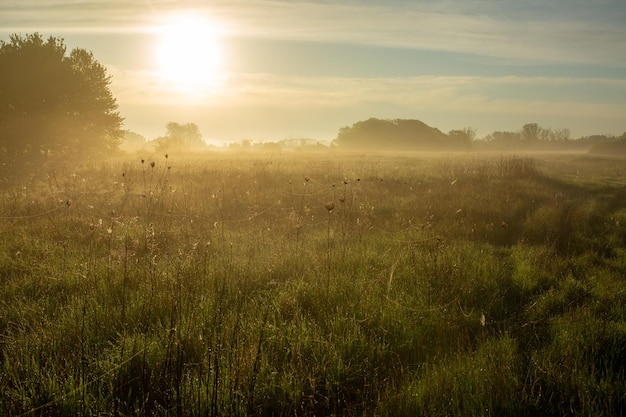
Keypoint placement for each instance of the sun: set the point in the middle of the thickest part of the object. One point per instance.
(189, 54)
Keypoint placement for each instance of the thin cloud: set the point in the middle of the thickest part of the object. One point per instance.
(444, 93)
(420, 25)
(589, 34)
(533, 31)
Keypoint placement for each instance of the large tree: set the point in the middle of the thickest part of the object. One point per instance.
(181, 137)
(53, 103)
(399, 134)
(531, 132)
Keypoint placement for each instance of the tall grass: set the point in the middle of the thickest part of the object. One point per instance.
(378, 285)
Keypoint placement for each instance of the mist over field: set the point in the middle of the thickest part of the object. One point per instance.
(261, 208)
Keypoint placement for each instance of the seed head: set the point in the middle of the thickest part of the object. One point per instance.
(330, 206)
(152, 164)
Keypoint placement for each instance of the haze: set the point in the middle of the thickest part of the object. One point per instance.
(277, 69)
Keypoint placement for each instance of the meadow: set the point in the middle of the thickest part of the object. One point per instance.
(323, 283)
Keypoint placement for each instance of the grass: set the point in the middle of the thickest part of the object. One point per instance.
(226, 285)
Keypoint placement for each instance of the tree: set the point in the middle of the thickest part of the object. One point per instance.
(180, 138)
(554, 135)
(562, 135)
(464, 137)
(133, 142)
(52, 103)
(505, 138)
(398, 134)
(531, 132)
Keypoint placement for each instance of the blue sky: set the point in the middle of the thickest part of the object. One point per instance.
(307, 68)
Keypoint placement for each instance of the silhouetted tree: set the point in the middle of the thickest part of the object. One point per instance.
(399, 134)
(614, 146)
(531, 132)
(133, 142)
(464, 137)
(561, 135)
(180, 138)
(54, 103)
(553, 135)
(503, 137)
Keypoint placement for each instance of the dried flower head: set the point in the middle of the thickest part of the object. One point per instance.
(152, 164)
(330, 206)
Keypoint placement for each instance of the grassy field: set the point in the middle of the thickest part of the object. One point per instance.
(315, 284)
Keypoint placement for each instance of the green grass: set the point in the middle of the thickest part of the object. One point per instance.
(224, 285)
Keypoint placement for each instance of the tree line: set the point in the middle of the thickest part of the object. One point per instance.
(414, 135)
(55, 103)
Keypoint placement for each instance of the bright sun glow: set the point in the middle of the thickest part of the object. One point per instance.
(189, 54)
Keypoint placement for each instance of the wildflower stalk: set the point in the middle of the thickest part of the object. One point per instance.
(300, 216)
(329, 207)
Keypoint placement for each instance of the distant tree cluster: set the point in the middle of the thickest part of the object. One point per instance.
(399, 134)
(52, 103)
(293, 144)
(614, 146)
(133, 142)
(532, 133)
(180, 137)
(463, 136)
(532, 137)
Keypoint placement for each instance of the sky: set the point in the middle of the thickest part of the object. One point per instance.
(266, 70)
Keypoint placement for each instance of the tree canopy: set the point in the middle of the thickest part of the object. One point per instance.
(53, 103)
(181, 137)
(398, 134)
